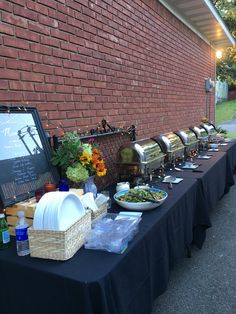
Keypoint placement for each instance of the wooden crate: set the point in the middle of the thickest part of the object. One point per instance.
(27, 206)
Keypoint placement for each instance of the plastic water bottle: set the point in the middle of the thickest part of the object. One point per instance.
(22, 241)
(4, 233)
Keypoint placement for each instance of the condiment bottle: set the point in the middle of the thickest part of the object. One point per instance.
(4, 233)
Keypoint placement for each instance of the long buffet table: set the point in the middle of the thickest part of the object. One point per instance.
(101, 282)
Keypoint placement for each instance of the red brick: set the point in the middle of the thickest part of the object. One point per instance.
(46, 106)
(61, 53)
(32, 5)
(43, 68)
(54, 79)
(8, 52)
(41, 49)
(59, 115)
(42, 29)
(25, 13)
(19, 2)
(71, 81)
(16, 43)
(52, 60)
(18, 65)
(10, 96)
(69, 106)
(5, 5)
(9, 74)
(30, 56)
(32, 77)
(69, 47)
(45, 88)
(4, 84)
(63, 72)
(6, 29)
(52, 3)
(14, 85)
(59, 34)
(49, 41)
(65, 89)
(22, 33)
(32, 96)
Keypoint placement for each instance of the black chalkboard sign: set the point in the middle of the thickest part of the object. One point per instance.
(24, 155)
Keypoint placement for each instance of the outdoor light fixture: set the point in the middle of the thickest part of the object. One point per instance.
(218, 54)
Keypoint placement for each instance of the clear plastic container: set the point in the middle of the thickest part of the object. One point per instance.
(112, 232)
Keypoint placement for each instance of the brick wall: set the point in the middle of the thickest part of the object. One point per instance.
(128, 61)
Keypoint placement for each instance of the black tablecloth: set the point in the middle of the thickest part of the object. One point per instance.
(101, 282)
(230, 149)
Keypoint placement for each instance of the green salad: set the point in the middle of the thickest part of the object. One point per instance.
(136, 195)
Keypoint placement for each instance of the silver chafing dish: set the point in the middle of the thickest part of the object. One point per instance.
(201, 135)
(213, 135)
(140, 158)
(211, 130)
(171, 145)
(190, 141)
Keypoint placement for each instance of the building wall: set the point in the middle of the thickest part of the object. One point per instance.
(128, 61)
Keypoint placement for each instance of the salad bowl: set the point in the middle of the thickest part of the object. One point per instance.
(127, 199)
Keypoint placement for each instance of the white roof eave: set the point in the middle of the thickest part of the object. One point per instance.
(200, 16)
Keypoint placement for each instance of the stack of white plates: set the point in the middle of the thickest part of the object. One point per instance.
(57, 211)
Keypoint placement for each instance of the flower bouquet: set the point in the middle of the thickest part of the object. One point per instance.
(78, 160)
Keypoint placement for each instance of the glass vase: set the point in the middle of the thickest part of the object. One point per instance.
(90, 186)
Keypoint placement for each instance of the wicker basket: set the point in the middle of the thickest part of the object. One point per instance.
(102, 210)
(59, 245)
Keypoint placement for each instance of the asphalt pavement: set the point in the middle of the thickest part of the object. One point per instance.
(206, 282)
(229, 126)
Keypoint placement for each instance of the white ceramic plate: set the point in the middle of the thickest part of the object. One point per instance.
(38, 223)
(69, 210)
(140, 206)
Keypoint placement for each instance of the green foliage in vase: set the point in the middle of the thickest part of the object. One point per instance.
(68, 152)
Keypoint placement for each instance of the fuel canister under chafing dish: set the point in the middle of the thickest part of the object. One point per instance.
(140, 157)
(171, 145)
(190, 141)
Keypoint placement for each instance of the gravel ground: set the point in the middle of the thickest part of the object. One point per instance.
(206, 283)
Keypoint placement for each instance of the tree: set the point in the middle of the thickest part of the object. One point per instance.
(226, 66)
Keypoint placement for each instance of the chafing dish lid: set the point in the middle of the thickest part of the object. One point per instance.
(169, 142)
(209, 128)
(144, 151)
(187, 136)
(200, 132)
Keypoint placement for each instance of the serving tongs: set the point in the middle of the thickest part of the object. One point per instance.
(142, 198)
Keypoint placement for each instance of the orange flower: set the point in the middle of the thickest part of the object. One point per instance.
(85, 159)
(96, 151)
